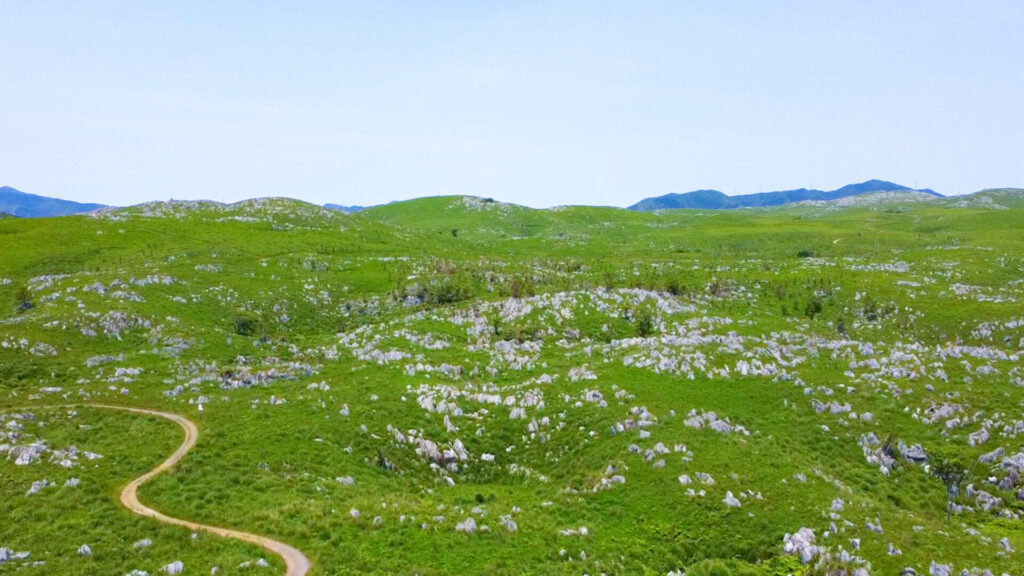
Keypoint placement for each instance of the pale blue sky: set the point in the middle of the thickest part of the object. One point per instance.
(540, 103)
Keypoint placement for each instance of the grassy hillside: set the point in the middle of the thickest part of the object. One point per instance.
(453, 385)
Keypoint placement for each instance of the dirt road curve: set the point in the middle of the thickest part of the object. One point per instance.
(296, 564)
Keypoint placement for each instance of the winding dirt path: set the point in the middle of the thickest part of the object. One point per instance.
(296, 563)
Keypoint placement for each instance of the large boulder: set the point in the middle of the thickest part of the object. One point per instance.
(991, 457)
(801, 543)
(913, 453)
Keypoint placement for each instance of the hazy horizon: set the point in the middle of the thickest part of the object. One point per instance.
(536, 104)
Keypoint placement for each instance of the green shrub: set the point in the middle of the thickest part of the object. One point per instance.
(245, 326)
(871, 310)
(23, 299)
(644, 319)
(786, 565)
(447, 291)
(950, 468)
(609, 280)
(813, 308)
(521, 288)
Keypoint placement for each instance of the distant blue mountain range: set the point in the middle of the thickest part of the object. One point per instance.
(345, 209)
(17, 203)
(715, 200)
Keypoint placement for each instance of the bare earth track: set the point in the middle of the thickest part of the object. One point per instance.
(296, 563)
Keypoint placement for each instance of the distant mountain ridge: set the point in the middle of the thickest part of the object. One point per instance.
(24, 205)
(345, 209)
(14, 202)
(715, 200)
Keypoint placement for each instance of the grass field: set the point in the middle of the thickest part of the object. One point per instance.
(459, 386)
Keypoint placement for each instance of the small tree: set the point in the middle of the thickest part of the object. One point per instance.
(644, 318)
(23, 298)
(813, 308)
(949, 468)
(245, 326)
